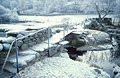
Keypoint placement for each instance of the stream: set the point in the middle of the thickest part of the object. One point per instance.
(102, 59)
(99, 59)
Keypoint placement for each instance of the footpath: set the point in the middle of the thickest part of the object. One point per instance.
(39, 51)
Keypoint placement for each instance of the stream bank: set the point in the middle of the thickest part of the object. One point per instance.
(99, 46)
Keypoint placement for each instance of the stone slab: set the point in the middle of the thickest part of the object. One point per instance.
(3, 34)
(23, 60)
(10, 68)
(5, 75)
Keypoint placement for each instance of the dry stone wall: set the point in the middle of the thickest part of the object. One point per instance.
(25, 41)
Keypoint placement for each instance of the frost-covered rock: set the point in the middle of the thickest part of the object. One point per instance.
(8, 40)
(89, 40)
(22, 63)
(24, 47)
(1, 47)
(25, 57)
(76, 40)
(6, 46)
(58, 30)
(116, 71)
(20, 42)
(92, 24)
(14, 33)
(61, 67)
(19, 35)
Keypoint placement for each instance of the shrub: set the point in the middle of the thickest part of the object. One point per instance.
(6, 15)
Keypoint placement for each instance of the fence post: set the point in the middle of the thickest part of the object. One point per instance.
(48, 42)
(63, 31)
(67, 26)
(76, 26)
(16, 47)
(6, 57)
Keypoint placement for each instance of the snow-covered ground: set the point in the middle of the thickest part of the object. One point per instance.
(55, 67)
(41, 22)
(61, 67)
(45, 21)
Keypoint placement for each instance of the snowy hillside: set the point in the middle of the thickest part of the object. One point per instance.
(62, 67)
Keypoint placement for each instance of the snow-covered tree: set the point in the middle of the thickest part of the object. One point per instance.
(8, 11)
(59, 6)
(4, 14)
(38, 5)
(103, 7)
(117, 9)
(13, 5)
(87, 7)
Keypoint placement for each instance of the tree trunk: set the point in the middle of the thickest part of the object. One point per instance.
(100, 18)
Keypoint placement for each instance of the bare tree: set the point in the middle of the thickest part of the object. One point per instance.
(103, 8)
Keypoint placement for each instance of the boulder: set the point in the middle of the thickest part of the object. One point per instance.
(80, 41)
(6, 46)
(34, 43)
(3, 34)
(24, 47)
(36, 35)
(75, 39)
(19, 35)
(38, 40)
(34, 40)
(30, 44)
(13, 50)
(31, 37)
(92, 24)
(26, 39)
(14, 32)
(1, 47)
(89, 40)
(100, 37)
(58, 30)
(116, 71)
(8, 40)
(39, 34)
(42, 39)
(73, 56)
(20, 42)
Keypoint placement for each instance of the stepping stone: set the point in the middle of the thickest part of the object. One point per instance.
(22, 60)
(29, 52)
(9, 67)
(41, 47)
